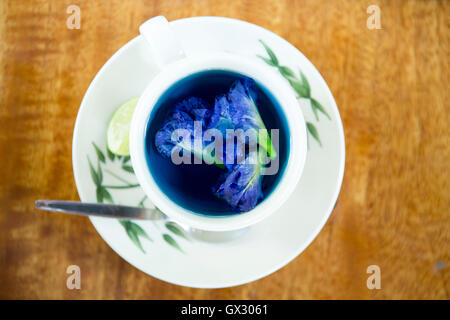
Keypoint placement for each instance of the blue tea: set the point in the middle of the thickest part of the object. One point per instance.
(191, 185)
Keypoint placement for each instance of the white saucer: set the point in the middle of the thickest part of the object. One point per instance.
(266, 247)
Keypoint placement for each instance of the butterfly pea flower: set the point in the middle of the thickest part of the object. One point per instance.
(183, 116)
(238, 110)
(241, 188)
(233, 151)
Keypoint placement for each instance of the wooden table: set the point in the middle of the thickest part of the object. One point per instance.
(392, 89)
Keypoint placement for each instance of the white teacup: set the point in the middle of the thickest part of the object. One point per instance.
(174, 66)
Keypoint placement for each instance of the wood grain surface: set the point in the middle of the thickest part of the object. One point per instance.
(392, 89)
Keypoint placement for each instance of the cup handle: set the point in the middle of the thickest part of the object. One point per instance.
(163, 43)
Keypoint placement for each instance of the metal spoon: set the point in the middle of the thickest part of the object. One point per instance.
(130, 213)
(100, 210)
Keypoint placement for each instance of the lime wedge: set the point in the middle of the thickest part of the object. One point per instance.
(118, 132)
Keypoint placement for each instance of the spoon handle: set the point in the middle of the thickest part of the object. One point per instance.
(99, 210)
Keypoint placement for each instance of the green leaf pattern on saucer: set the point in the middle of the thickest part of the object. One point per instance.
(300, 85)
(103, 192)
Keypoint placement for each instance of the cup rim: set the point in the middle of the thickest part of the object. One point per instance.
(245, 66)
